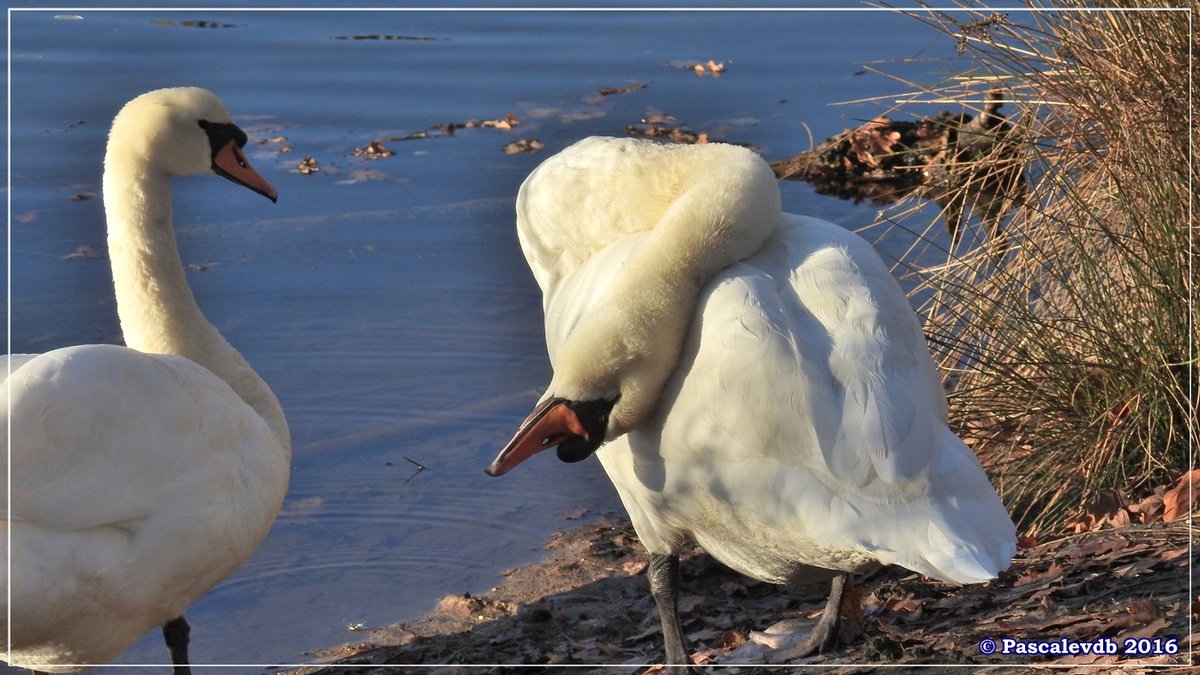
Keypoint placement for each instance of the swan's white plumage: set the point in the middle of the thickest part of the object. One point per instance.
(143, 475)
(802, 424)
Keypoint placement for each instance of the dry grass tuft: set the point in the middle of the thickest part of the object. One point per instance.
(1069, 342)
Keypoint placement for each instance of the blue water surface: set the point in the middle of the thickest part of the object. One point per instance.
(387, 302)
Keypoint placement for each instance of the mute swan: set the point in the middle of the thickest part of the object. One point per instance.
(752, 380)
(143, 475)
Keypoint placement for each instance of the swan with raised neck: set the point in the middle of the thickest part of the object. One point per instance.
(156, 307)
(140, 476)
(702, 210)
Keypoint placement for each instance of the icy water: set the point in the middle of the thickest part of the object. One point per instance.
(387, 302)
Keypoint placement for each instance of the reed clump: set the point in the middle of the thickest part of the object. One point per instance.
(1069, 344)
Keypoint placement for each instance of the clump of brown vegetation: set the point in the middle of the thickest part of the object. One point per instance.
(1071, 356)
(958, 159)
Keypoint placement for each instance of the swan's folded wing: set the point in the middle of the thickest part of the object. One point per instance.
(104, 436)
(806, 406)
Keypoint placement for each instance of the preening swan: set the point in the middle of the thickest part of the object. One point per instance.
(752, 380)
(141, 475)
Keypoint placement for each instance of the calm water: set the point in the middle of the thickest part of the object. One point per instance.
(387, 302)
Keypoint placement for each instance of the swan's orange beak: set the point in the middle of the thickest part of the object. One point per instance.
(231, 163)
(550, 424)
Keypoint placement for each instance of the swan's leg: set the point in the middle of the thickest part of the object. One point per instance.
(175, 632)
(664, 586)
(823, 636)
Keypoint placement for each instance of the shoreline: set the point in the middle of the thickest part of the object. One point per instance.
(587, 602)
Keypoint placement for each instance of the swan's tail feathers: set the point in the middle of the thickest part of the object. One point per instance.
(970, 536)
(971, 561)
(962, 534)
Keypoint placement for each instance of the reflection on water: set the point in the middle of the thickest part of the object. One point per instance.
(386, 301)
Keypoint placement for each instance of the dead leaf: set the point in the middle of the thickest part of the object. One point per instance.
(850, 614)
(1149, 510)
(910, 605)
(308, 165)
(1179, 500)
(1142, 609)
(634, 567)
(1031, 576)
(1147, 630)
(1095, 547)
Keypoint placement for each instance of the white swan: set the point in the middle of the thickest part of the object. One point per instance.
(141, 475)
(753, 380)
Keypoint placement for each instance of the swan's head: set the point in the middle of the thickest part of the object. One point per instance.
(576, 428)
(606, 383)
(182, 131)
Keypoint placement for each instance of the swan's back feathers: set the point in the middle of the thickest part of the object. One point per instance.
(839, 458)
(600, 190)
(803, 425)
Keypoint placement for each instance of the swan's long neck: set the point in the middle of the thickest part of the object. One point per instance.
(156, 307)
(717, 214)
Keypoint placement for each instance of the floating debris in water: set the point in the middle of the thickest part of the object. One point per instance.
(82, 196)
(609, 91)
(523, 147)
(662, 127)
(709, 67)
(414, 136)
(506, 123)
(308, 165)
(280, 141)
(84, 251)
(362, 176)
(417, 38)
(374, 150)
(192, 24)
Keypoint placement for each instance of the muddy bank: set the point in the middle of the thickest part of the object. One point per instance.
(587, 603)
